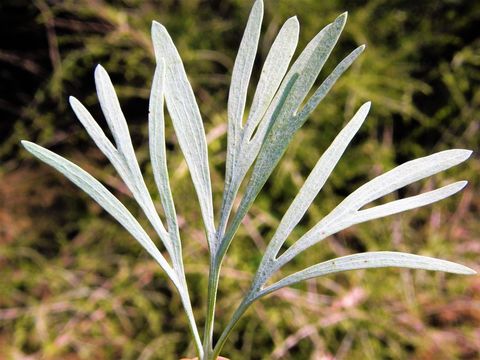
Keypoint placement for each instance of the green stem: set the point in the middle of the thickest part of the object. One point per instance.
(216, 259)
(213, 279)
(187, 305)
(224, 238)
(182, 287)
(247, 301)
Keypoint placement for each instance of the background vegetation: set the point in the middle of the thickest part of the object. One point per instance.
(74, 285)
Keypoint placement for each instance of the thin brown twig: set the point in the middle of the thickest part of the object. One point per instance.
(49, 21)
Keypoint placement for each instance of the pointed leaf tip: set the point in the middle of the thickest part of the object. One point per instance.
(257, 6)
(25, 143)
(99, 68)
(341, 19)
(462, 184)
(100, 72)
(464, 154)
(73, 101)
(156, 26)
(293, 23)
(465, 270)
(369, 260)
(293, 19)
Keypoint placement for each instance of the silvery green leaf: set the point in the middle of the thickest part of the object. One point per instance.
(102, 141)
(297, 67)
(345, 214)
(312, 103)
(283, 121)
(377, 259)
(104, 198)
(113, 114)
(123, 157)
(97, 135)
(242, 69)
(401, 176)
(187, 122)
(284, 126)
(251, 146)
(156, 131)
(156, 127)
(273, 71)
(237, 97)
(328, 83)
(114, 207)
(309, 63)
(408, 203)
(315, 181)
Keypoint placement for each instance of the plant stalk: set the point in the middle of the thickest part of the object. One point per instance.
(187, 305)
(245, 304)
(213, 279)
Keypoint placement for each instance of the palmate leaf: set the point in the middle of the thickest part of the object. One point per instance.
(273, 71)
(284, 125)
(280, 119)
(280, 106)
(104, 198)
(315, 182)
(347, 212)
(123, 159)
(123, 156)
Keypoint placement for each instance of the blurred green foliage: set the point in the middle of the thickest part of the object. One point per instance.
(74, 285)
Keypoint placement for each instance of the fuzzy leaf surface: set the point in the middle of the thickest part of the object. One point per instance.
(368, 260)
(187, 122)
(315, 181)
(347, 212)
(104, 198)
